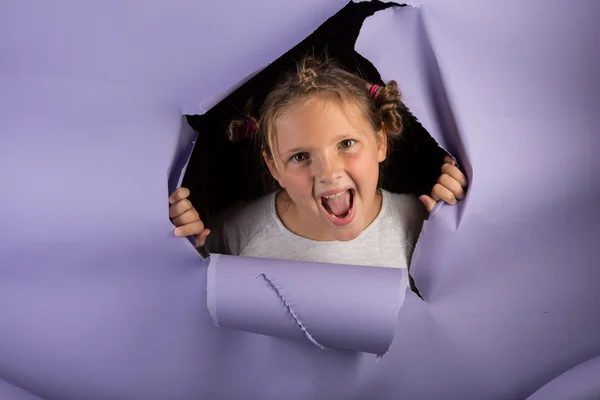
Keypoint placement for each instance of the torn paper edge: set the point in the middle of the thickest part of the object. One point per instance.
(178, 166)
(404, 288)
(211, 287)
(210, 102)
(290, 311)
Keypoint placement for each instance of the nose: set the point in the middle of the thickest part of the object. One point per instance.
(328, 170)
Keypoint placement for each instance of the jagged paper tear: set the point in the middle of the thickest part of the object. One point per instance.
(330, 305)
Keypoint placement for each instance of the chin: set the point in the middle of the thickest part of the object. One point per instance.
(346, 234)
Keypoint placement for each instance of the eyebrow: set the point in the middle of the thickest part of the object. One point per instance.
(338, 138)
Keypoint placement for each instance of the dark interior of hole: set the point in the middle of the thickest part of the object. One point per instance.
(221, 173)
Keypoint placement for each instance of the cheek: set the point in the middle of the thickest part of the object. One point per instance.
(297, 180)
(363, 165)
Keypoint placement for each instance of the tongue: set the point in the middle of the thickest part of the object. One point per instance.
(339, 205)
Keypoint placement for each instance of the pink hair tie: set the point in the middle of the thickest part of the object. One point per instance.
(250, 127)
(374, 93)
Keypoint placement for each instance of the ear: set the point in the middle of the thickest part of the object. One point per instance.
(382, 145)
(272, 168)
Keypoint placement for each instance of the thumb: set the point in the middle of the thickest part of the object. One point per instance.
(201, 238)
(428, 201)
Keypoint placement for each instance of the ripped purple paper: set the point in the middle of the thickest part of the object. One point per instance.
(98, 299)
(330, 305)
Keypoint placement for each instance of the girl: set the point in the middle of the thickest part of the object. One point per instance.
(324, 135)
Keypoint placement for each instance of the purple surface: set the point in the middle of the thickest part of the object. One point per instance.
(579, 383)
(330, 305)
(98, 300)
(8, 391)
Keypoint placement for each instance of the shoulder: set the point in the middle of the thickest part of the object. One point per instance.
(406, 213)
(235, 227)
(404, 204)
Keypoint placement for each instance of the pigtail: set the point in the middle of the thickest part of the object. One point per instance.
(388, 102)
(243, 128)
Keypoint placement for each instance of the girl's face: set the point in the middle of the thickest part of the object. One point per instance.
(326, 157)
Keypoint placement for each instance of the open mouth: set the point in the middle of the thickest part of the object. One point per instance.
(339, 208)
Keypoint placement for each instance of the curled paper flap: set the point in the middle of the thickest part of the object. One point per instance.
(183, 152)
(330, 305)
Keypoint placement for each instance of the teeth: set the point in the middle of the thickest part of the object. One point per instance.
(333, 196)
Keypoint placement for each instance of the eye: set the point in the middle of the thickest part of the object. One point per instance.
(345, 144)
(300, 157)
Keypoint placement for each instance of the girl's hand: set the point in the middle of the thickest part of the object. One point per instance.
(449, 187)
(185, 217)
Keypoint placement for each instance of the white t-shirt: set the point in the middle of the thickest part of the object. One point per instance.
(255, 230)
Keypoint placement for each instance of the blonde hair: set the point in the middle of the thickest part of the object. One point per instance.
(314, 76)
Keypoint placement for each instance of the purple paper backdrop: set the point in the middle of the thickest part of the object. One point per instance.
(99, 301)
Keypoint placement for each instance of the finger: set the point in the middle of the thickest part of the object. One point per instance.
(179, 208)
(449, 160)
(201, 238)
(192, 229)
(428, 201)
(455, 173)
(186, 218)
(452, 185)
(179, 194)
(440, 193)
